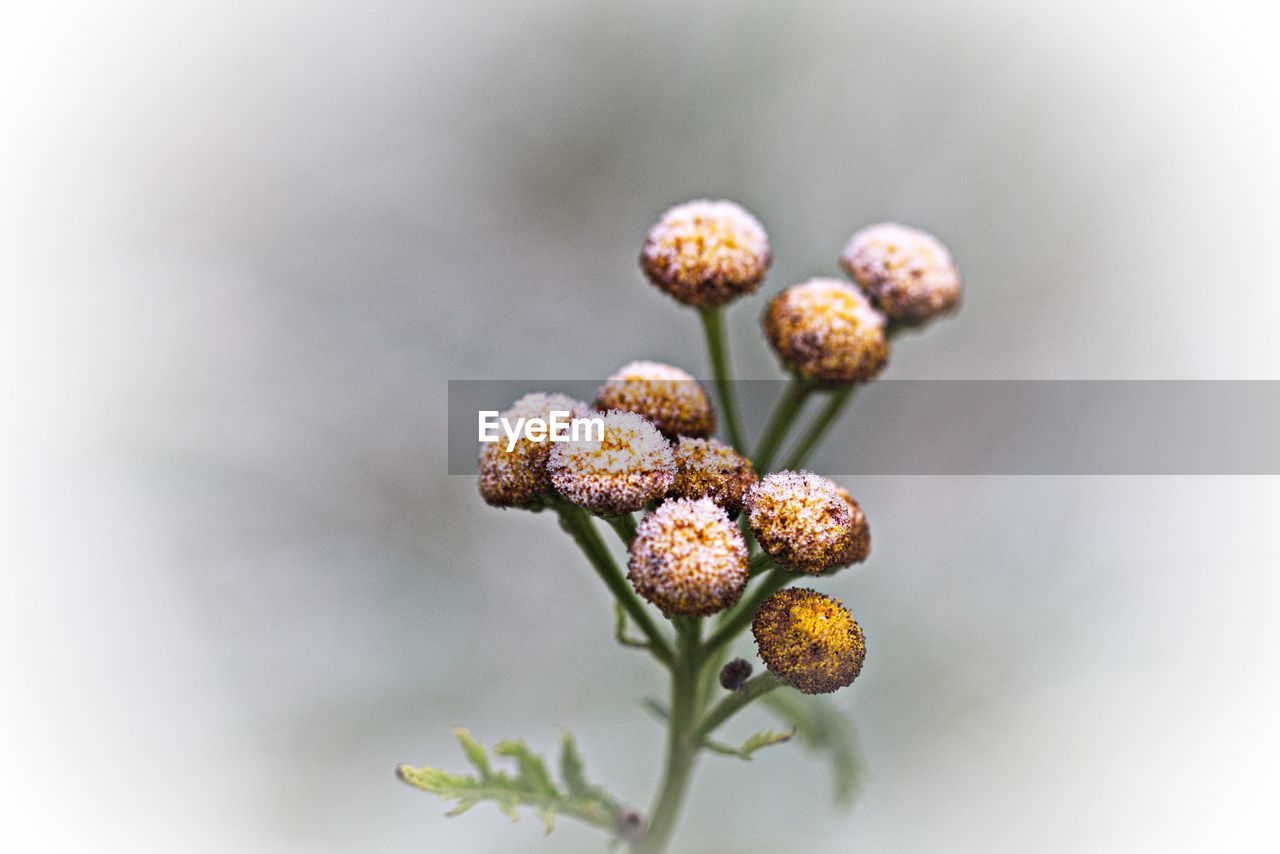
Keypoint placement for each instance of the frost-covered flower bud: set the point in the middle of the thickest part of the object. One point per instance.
(519, 477)
(826, 330)
(631, 466)
(669, 397)
(906, 272)
(801, 521)
(706, 468)
(808, 640)
(706, 253)
(860, 538)
(688, 558)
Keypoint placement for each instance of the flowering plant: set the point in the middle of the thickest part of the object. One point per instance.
(716, 544)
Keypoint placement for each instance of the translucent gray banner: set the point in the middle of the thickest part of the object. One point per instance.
(984, 427)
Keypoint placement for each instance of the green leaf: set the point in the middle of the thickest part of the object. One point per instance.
(530, 786)
(475, 753)
(764, 738)
(823, 727)
(532, 770)
(573, 773)
(571, 769)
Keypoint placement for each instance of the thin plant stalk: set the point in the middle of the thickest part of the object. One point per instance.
(733, 621)
(755, 688)
(682, 741)
(828, 415)
(625, 525)
(718, 349)
(822, 422)
(784, 414)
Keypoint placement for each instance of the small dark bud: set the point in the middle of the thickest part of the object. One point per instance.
(630, 825)
(734, 674)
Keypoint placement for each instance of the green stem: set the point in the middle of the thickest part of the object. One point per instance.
(682, 743)
(625, 525)
(824, 419)
(784, 413)
(756, 687)
(758, 564)
(713, 326)
(737, 619)
(821, 424)
(744, 524)
(578, 524)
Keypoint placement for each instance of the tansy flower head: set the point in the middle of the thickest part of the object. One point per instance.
(630, 467)
(706, 468)
(826, 330)
(705, 253)
(688, 558)
(519, 477)
(801, 521)
(808, 640)
(669, 397)
(906, 272)
(860, 536)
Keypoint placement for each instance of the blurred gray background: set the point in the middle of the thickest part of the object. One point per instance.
(245, 246)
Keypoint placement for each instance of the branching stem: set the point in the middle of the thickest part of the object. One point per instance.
(579, 526)
(784, 413)
(740, 616)
(625, 525)
(822, 422)
(756, 687)
(682, 741)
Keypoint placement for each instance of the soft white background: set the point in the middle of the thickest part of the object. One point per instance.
(242, 247)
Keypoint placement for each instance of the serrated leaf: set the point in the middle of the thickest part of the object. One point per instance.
(572, 771)
(824, 728)
(533, 771)
(573, 775)
(530, 786)
(475, 753)
(461, 807)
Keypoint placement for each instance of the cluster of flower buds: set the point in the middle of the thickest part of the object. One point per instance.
(657, 454)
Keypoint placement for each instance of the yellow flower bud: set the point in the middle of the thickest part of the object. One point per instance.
(808, 640)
